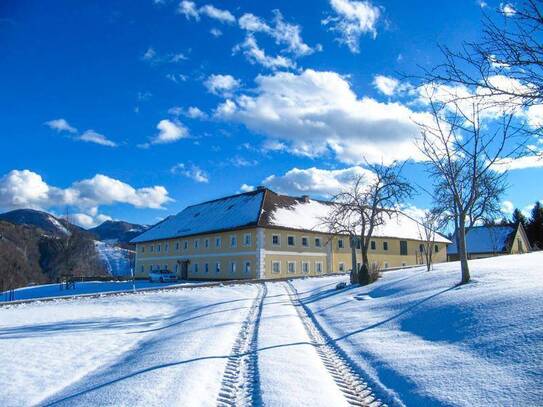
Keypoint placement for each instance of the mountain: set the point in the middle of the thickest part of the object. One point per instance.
(118, 231)
(48, 223)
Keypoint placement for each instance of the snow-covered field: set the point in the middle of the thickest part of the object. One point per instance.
(414, 336)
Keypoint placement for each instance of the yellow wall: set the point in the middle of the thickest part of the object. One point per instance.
(262, 253)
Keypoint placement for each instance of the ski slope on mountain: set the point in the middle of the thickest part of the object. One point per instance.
(115, 259)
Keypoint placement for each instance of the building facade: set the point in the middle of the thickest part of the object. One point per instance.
(262, 234)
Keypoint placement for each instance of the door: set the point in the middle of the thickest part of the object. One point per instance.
(184, 270)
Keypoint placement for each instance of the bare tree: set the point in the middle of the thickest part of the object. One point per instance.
(364, 205)
(429, 223)
(463, 155)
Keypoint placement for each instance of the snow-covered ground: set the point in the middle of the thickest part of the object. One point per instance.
(426, 342)
(115, 259)
(85, 287)
(414, 336)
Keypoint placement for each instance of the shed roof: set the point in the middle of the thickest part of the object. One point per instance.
(486, 239)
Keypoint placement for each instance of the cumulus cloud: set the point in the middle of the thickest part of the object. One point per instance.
(190, 171)
(509, 164)
(192, 112)
(221, 84)
(315, 181)
(90, 136)
(257, 55)
(27, 189)
(169, 132)
(88, 221)
(246, 188)
(215, 32)
(507, 9)
(190, 10)
(314, 113)
(61, 125)
(385, 84)
(507, 207)
(352, 20)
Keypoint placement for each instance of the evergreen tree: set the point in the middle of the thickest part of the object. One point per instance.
(535, 226)
(518, 217)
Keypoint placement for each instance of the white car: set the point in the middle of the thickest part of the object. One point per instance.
(163, 276)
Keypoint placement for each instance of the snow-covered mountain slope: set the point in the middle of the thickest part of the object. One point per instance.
(429, 342)
(116, 260)
(118, 231)
(50, 224)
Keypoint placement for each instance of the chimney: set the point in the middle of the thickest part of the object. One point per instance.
(305, 198)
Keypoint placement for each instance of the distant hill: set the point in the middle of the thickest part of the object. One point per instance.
(48, 223)
(118, 231)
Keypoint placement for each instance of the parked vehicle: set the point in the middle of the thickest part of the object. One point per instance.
(163, 276)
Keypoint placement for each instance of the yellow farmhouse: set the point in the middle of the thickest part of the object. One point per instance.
(262, 234)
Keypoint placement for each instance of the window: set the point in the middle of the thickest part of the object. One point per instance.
(233, 267)
(291, 267)
(247, 267)
(247, 239)
(151, 248)
(317, 242)
(436, 248)
(217, 267)
(218, 242)
(385, 265)
(176, 268)
(276, 267)
(290, 240)
(340, 244)
(373, 246)
(186, 244)
(195, 267)
(158, 248)
(206, 267)
(421, 247)
(403, 247)
(403, 264)
(151, 267)
(341, 267)
(206, 243)
(305, 267)
(318, 267)
(166, 247)
(165, 267)
(196, 243)
(305, 241)
(177, 246)
(275, 240)
(385, 246)
(233, 241)
(142, 249)
(142, 269)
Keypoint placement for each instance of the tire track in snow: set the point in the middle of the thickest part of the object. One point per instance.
(354, 388)
(240, 384)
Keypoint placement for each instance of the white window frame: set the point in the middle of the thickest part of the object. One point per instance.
(373, 245)
(318, 239)
(196, 243)
(142, 268)
(293, 240)
(206, 243)
(166, 247)
(278, 268)
(305, 263)
(233, 267)
(233, 241)
(176, 268)
(206, 268)
(245, 264)
(185, 244)
(218, 242)
(249, 235)
(151, 248)
(341, 267)
(142, 249)
(151, 267)
(177, 246)
(158, 247)
(306, 240)
(278, 240)
(195, 267)
(218, 267)
(318, 264)
(385, 243)
(340, 244)
(288, 267)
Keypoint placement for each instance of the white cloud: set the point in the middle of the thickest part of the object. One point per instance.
(246, 188)
(152, 56)
(221, 84)
(149, 55)
(215, 32)
(177, 77)
(509, 164)
(88, 221)
(385, 84)
(507, 9)
(257, 55)
(27, 189)
(314, 113)
(315, 181)
(61, 125)
(169, 132)
(195, 113)
(191, 171)
(352, 20)
(190, 10)
(238, 161)
(250, 22)
(91, 136)
(482, 3)
(507, 207)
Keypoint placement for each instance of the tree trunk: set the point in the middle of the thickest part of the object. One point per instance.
(364, 272)
(462, 251)
(354, 271)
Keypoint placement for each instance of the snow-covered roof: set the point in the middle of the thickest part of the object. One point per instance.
(486, 239)
(266, 208)
(221, 214)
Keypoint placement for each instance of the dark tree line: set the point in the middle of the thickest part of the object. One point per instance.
(532, 224)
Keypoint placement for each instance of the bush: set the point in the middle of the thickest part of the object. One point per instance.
(374, 273)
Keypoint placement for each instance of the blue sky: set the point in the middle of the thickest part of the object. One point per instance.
(133, 110)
